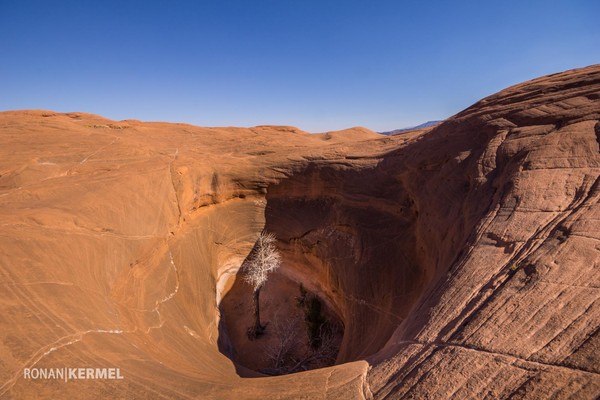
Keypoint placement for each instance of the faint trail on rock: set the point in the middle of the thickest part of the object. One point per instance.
(174, 292)
(180, 217)
(165, 299)
(98, 151)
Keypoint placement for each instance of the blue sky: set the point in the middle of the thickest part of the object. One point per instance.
(319, 65)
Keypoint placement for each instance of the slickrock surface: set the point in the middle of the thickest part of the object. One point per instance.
(463, 259)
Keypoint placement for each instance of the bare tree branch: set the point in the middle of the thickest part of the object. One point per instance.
(281, 352)
(264, 259)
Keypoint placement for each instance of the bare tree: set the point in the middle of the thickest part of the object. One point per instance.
(281, 351)
(322, 356)
(287, 355)
(264, 259)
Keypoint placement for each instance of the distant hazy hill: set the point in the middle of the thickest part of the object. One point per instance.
(412, 128)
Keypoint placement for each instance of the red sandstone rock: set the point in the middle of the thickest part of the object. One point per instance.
(463, 260)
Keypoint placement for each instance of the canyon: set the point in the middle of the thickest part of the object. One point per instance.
(460, 260)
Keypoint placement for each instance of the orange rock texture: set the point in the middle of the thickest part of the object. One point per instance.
(463, 260)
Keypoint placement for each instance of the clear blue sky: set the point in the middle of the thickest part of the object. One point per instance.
(316, 64)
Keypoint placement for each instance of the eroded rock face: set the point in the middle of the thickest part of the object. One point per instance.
(513, 310)
(462, 260)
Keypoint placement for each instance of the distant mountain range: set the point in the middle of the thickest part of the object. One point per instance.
(412, 128)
